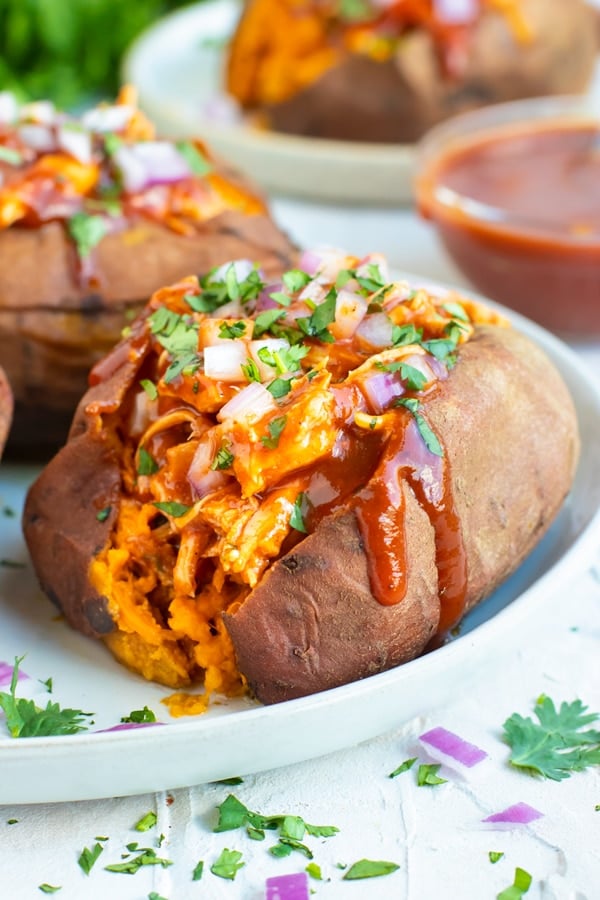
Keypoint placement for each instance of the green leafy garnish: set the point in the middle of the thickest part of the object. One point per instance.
(103, 514)
(295, 280)
(427, 775)
(314, 871)
(88, 857)
(316, 324)
(520, 886)
(298, 512)
(233, 331)
(147, 821)
(25, 719)
(87, 231)
(10, 156)
(217, 292)
(265, 321)
(557, 744)
(495, 855)
(251, 371)
(223, 458)
(415, 379)
(46, 888)
(198, 870)
(150, 388)
(431, 440)
(140, 715)
(198, 163)
(172, 508)
(48, 684)
(456, 311)
(11, 564)
(406, 334)
(279, 387)
(146, 857)
(286, 845)
(373, 281)
(228, 864)
(147, 465)
(369, 868)
(403, 767)
(179, 336)
(275, 429)
(292, 829)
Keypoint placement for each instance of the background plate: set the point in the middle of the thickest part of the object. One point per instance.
(237, 738)
(176, 66)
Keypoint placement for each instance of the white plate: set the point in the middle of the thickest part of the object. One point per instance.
(176, 66)
(237, 738)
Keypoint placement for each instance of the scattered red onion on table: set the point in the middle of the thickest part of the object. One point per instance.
(287, 887)
(518, 814)
(450, 744)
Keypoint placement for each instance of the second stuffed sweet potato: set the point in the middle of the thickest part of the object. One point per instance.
(304, 492)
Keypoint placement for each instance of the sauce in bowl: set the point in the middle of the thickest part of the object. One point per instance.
(518, 209)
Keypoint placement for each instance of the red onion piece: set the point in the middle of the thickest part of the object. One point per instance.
(265, 301)
(518, 814)
(252, 402)
(456, 12)
(6, 673)
(241, 267)
(309, 262)
(221, 109)
(202, 478)
(150, 162)
(375, 331)
(75, 141)
(223, 362)
(314, 291)
(350, 310)
(107, 118)
(9, 108)
(38, 137)
(450, 744)
(127, 726)
(374, 259)
(288, 887)
(381, 388)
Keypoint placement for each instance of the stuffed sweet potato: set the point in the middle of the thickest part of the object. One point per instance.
(288, 488)
(387, 71)
(6, 408)
(95, 214)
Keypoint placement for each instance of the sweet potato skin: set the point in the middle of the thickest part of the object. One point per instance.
(6, 408)
(53, 329)
(398, 100)
(510, 435)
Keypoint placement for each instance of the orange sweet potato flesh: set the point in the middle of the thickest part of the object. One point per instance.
(304, 75)
(510, 434)
(6, 408)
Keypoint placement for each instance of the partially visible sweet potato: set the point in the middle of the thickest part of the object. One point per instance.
(393, 72)
(6, 408)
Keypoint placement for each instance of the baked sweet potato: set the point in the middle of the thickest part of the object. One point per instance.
(6, 408)
(305, 491)
(95, 215)
(387, 72)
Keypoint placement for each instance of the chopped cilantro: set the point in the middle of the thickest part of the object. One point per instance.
(373, 280)
(47, 684)
(406, 334)
(217, 292)
(279, 387)
(223, 458)
(415, 379)
(431, 440)
(427, 775)
(369, 868)
(25, 719)
(46, 888)
(147, 465)
(456, 311)
(11, 564)
(316, 324)
(281, 298)
(295, 280)
(146, 822)
(495, 855)
(88, 857)
(264, 321)
(557, 744)
(197, 162)
(286, 845)
(251, 370)
(520, 886)
(233, 814)
(403, 767)
(10, 156)
(314, 871)
(298, 512)
(172, 508)
(228, 864)
(233, 331)
(87, 231)
(150, 388)
(179, 336)
(112, 142)
(140, 715)
(103, 514)
(275, 429)
(146, 857)
(198, 870)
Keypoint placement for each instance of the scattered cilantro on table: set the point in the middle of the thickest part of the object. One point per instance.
(558, 744)
(520, 886)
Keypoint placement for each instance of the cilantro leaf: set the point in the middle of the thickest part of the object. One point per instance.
(369, 868)
(223, 458)
(556, 745)
(179, 336)
(520, 886)
(140, 715)
(146, 857)
(403, 767)
(147, 821)
(88, 857)
(86, 231)
(298, 513)
(147, 465)
(198, 870)
(233, 331)
(25, 719)
(316, 324)
(295, 280)
(427, 775)
(275, 429)
(46, 888)
(431, 440)
(228, 864)
(265, 320)
(198, 163)
(174, 509)
(10, 156)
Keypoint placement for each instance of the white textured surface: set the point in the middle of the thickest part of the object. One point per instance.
(434, 833)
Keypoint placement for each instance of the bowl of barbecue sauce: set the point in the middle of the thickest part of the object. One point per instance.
(514, 193)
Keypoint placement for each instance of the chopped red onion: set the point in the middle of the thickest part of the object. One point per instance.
(127, 726)
(350, 310)
(221, 109)
(107, 118)
(375, 331)
(38, 137)
(374, 259)
(314, 291)
(456, 12)
(9, 108)
(75, 141)
(252, 402)
(42, 112)
(203, 479)
(223, 362)
(288, 887)
(150, 162)
(6, 673)
(331, 261)
(309, 262)
(518, 814)
(381, 388)
(241, 267)
(231, 310)
(450, 744)
(265, 301)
